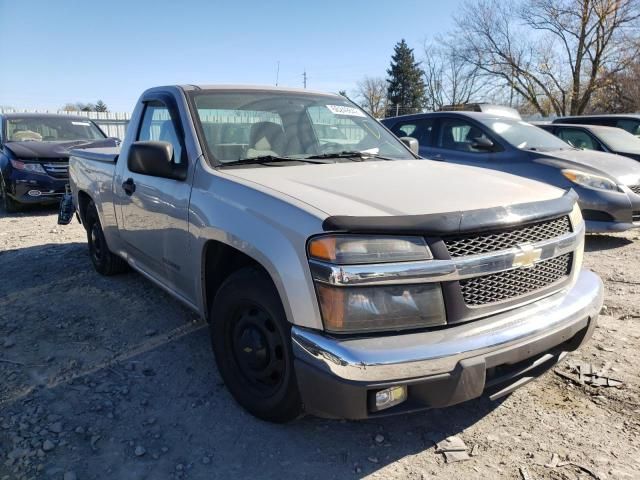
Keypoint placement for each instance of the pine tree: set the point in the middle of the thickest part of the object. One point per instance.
(405, 91)
(101, 106)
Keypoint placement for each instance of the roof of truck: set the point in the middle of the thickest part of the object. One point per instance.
(261, 88)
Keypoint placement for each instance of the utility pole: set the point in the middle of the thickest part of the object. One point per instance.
(278, 73)
(304, 77)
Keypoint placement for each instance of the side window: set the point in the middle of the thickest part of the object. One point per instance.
(405, 129)
(157, 125)
(459, 135)
(631, 126)
(421, 130)
(578, 138)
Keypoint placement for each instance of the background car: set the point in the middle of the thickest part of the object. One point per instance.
(596, 137)
(34, 155)
(608, 185)
(628, 122)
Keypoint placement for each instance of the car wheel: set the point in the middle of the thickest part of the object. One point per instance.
(251, 340)
(104, 261)
(8, 204)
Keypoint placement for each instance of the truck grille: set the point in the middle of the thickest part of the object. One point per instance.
(635, 188)
(635, 217)
(507, 285)
(473, 244)
(57, 169)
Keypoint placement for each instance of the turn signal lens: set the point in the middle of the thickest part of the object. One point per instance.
(358, 249)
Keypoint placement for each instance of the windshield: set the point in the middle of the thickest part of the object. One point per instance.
(619, 140)
(243, 125)
(525, 136)
(51, 129)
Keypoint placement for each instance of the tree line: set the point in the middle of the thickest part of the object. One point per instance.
(546, 57)
(99, 106)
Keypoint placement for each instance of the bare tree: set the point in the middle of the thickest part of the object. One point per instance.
(550, 52)
(372, 95)
(449, 78)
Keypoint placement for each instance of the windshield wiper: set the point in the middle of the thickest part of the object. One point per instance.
(264, 159)
(353, 154)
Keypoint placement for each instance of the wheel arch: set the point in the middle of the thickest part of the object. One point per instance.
(219, 261)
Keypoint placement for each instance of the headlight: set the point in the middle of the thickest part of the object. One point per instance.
(355, 249)
(349, 309)
(28, 167)
(590, 181)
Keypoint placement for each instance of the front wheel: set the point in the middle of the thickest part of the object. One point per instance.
(251, 340)
(8, 204)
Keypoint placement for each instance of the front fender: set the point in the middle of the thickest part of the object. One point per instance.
(271, 230)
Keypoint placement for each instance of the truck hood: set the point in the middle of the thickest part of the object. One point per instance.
(622, 169)
(401, 187)
(53, 150)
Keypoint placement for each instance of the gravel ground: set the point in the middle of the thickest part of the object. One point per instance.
(110, 378)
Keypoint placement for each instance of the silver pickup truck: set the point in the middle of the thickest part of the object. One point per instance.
(341, 274)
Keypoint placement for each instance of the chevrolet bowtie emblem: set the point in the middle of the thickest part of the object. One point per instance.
(527, 256)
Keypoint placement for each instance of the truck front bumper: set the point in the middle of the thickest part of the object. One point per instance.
(339, 377)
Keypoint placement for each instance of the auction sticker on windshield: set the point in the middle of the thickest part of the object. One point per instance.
(344, 110)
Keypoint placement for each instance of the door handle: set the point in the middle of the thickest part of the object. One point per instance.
(129, 186)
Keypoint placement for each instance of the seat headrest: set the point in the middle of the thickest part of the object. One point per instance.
(267, 136)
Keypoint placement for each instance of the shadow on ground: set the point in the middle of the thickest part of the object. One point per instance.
(120, 379)
(599, 242)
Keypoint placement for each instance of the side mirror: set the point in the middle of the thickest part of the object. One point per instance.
(482, 143)
(155, 159)
(411, 143)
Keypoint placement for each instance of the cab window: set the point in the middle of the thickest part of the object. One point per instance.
(157, 125)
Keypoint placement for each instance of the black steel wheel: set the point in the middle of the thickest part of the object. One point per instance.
(104, 261)
(251, 339)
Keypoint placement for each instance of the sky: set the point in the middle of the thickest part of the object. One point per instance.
(55, 52)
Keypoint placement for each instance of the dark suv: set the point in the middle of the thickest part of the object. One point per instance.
(608, 185)
(34, 154)
(628, 122)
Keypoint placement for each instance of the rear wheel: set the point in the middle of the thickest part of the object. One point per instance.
(251, 340)
(8, 204)
(104, 261)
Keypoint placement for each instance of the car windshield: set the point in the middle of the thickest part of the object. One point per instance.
(619, 140)
(51, 129)
(525, 136)
(247, 125)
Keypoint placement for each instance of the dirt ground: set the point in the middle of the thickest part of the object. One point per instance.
(110, 378)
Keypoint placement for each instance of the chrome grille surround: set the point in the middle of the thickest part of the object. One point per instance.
(477, 243)
(57, 169)
(510, 284)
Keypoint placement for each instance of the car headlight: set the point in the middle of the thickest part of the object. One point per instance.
(28, 167)
(368, 308)
(590, 180)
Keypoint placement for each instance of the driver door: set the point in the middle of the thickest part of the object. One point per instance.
(154, 210)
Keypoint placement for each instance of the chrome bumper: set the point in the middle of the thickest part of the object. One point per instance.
(530, 330)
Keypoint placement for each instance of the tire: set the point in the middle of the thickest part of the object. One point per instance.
(251, 341)
(104, 261)
(8, 204)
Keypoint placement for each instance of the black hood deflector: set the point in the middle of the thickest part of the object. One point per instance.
(451, 223)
